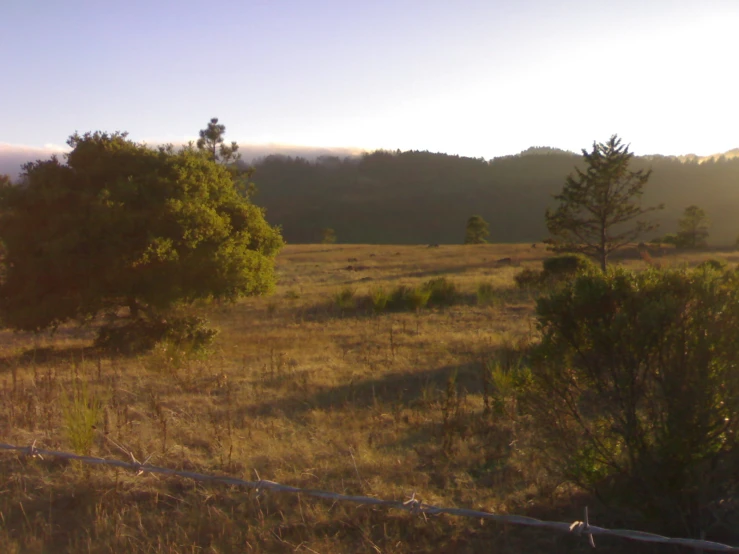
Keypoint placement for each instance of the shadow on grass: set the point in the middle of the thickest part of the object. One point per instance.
(50, 355)
(402, 388)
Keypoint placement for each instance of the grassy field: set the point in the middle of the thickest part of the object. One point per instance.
(299, 391)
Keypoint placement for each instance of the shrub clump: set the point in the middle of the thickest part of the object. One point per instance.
(344, 299)
(442, 291)
(379, 298)
(140, 335)
(566, 265)
(717, 265)
(404, 297)
(635, 392)
(555, 270)
(486, 294)
(529, 278)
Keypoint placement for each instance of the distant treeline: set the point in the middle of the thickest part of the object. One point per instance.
(422, 197)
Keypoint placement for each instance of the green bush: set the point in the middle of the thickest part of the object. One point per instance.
(379, 299)
(344, 299)
(566, 265)
(555, 270)
(635, 389)
(529, 278)
(718, 265)
(140, 335)
(81, 412)
(486, 294)
(443, 292)
(404, 298)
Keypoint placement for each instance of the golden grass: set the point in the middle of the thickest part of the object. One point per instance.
(299, 392)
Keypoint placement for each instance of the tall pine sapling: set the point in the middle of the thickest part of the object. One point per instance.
(599, 210)
(211, 141)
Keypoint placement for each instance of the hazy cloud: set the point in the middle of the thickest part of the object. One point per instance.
(13, 156)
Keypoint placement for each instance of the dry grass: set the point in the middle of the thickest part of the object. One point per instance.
(299, 392)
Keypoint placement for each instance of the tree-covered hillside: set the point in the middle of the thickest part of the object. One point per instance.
(422, 197)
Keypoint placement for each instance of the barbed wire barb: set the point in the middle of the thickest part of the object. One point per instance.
(412, 505)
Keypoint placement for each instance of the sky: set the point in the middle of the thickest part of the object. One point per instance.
(475, 78)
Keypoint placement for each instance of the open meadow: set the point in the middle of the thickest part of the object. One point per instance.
(309, 387)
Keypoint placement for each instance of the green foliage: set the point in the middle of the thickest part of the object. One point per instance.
(715, 265)
(122, 225)
(435, 292)
(140, 335)
(486, 294)
(671, 239)
(556, 269)
(419, 197)
(379, 298)
(692, 228)
(566, 265)
(404, 298)
(328, 236)
(506, 384)
(636, 388)
(443, 292)
(529, 278)
(81, 413)
(211, 141)
(477, 231)
(344, 299)
(598, 208)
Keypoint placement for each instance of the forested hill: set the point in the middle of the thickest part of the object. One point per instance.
(421, 197)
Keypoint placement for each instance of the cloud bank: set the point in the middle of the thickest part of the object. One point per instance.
(13, 156)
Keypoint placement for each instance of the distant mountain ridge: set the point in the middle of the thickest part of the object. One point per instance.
(418, 197)
(729, 154)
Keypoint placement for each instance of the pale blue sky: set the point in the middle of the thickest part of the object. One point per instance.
(464, 77)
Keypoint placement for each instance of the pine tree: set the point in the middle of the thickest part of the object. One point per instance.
(211, 140)
(599, 210)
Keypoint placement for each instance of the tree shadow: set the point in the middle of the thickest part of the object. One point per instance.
(50, 355)
(402, 388)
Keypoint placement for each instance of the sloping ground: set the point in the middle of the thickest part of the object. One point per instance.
(299, 392)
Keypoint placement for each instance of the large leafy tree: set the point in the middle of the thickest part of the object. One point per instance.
(599, 209)
(122, 225)
(692, 228)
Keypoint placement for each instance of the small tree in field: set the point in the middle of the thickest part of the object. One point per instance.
(328, 236)
(477, 231)
(598, 211)
(122, 225)
(692, 228)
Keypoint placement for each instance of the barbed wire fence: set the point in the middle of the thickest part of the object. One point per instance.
(412, 505)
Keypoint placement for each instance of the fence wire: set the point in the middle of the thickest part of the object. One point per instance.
(412, 505)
